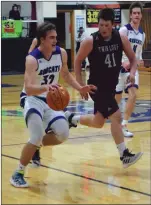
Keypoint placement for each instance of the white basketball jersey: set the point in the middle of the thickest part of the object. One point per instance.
(136, 39)
(48, 70)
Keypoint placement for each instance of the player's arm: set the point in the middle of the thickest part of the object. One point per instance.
(33, 45)
(84, 50)
(30, 78)
(125, 63)
(130, 54)
(141, 62)
(66, 75)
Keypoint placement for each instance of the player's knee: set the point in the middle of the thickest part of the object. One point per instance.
(98, 124)
(63, 135)
(61, 130)
(98, 121)
(36, 138)
(35, 141)
(35, 128)
(118, 97)
(132, 96)
(116, 117)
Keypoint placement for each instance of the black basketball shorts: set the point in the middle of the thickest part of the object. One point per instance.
(105, 103)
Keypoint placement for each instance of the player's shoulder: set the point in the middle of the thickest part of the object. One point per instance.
(36, 53)
(94, 35)
(128, 27)
(57, 50)
(35, 40)
(30, 60)
(124, 29)
(63, 53)
(141, 30)
(62, 50)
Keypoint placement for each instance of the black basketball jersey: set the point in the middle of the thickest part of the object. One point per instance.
(105, 61)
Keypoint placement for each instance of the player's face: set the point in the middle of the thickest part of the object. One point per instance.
(136, 15)
(15, 8)
(50, 41)
(105, 28)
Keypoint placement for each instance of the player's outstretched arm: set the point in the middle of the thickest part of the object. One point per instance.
(68, 77)
(130, 54)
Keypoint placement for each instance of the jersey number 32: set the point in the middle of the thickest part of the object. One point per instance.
(47, 79)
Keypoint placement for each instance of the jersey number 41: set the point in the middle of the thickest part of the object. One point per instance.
(110, 60)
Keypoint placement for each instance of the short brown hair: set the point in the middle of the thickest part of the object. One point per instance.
(43, 29)
(106, 14)
(136, 5)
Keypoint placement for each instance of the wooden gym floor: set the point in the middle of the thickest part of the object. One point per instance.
(84, 170)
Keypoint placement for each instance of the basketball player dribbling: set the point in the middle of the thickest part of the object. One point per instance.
(104, 50)
(136, 37)
(36, 157)
(43, 66)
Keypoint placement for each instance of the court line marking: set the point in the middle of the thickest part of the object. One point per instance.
(89, 178)
(74, 138)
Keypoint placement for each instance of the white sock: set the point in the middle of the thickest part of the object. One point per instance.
(20, 167)
(124, 122)
(121, 147)
(76, 119)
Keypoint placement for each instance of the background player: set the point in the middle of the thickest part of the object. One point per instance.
(33, 45)
(136, 37)
(104, 50)
(43, 66)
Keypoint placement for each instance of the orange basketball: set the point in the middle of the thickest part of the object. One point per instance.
(58, 98)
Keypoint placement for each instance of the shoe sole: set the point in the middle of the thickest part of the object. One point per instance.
(17, 186)
(33, 165)
(127, 165)
(129, 136)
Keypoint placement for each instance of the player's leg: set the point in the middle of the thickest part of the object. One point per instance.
(56, 124)
(33, 113)
(51, 136)
(34, 109)
(109, 107)
(114, 115)
(96, 121)
(118, 97)
(36, 156)
(119, 90)
(126, 157)
(130, 105)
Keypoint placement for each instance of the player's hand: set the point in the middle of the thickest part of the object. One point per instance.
(52, 87)
(131, 79)
(126, 65)
(85, 90)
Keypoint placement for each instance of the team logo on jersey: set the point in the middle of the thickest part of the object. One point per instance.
(108, 48)
(133, 40)
(51, 69)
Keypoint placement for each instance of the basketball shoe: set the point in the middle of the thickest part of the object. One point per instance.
(128, 158)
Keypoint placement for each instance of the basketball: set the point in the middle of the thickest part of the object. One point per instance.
(58, 98)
